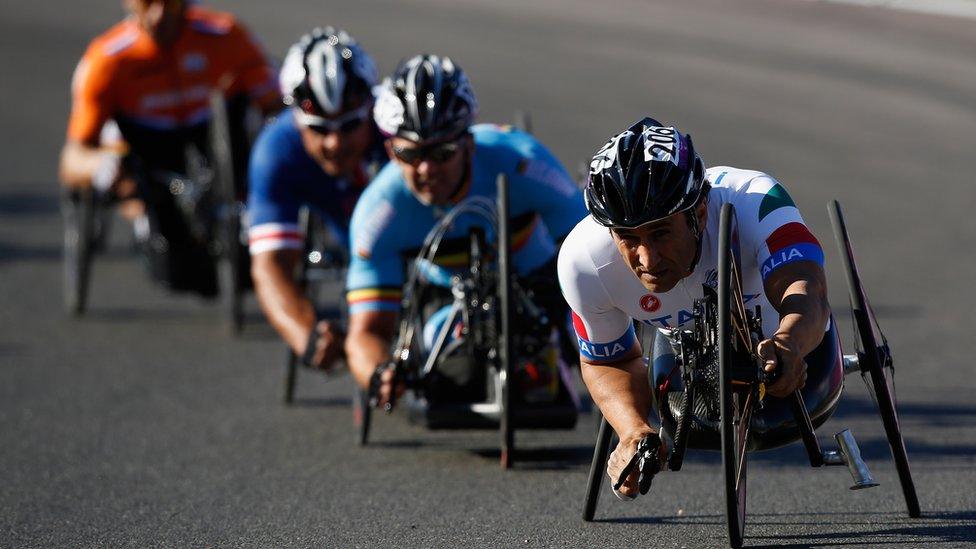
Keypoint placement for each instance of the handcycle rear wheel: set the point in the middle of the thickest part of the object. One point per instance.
(735, 401)
(874, 360)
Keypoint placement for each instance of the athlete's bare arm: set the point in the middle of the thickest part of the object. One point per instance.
(621, 391)
(368, 344)
(798, 291)
(287, 307)
(79, 162)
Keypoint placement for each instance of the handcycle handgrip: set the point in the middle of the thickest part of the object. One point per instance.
(376, 382)
(647, 459)
(769, 378)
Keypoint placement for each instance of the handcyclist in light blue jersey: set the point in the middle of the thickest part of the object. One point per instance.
(427, 108)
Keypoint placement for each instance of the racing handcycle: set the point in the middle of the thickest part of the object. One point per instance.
(324, 263)
(194, 190)
(709, 387)
(493, 339)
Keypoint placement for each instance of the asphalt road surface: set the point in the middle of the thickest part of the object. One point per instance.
(145, 424)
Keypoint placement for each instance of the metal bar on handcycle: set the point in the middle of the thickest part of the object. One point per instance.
(805, 425)
(852, 457)
(505, 355)
(435, 351)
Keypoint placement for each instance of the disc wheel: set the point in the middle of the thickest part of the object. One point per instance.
(78, 211)
(874, 359)
(736, 404)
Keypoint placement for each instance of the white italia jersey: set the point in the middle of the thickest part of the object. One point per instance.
(604, 294)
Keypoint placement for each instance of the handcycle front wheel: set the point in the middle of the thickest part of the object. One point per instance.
(235, 265)
(735, 399)
(874, 359)
(362, 415)
(78, 212)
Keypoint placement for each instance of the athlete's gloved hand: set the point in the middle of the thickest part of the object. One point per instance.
(780, 355)
(324, 346)
(107, 172)
(633, 464)
(385, 387)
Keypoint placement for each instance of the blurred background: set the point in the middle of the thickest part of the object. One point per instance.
(144, 423)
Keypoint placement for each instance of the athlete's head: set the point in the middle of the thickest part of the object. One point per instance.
(160, 18)
(647, 185)
(327, 80)
(425, 109)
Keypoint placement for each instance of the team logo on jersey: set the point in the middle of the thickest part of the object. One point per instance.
(776, 198)
(366, 236)
(194, 62)
(650, 303)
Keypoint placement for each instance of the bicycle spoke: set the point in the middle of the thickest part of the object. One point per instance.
(742, 433)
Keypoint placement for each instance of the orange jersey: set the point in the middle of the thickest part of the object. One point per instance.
(125, 75)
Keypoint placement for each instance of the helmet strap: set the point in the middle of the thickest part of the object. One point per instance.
(464, 175)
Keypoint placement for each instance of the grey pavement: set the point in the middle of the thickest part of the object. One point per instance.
(145, 424)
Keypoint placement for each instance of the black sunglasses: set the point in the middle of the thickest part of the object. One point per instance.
(439, 153)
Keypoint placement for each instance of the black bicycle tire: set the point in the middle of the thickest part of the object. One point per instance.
(225, 184)
(78, 214)
(735, 497)
(598, 466)
(507, 347)
(362, 416)
(291, 375)
(870, 360)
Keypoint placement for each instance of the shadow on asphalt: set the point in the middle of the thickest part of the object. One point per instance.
(125, 315)
(549, 459)
(963, 529)
(329, 402)
(930, 525)
(25, 204)
(13, 252)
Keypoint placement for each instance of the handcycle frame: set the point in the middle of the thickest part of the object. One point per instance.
(323, 260)
(87, 213)
(724, 327)
(485, 302)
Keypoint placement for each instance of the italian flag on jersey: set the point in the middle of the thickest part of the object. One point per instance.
(789, 242)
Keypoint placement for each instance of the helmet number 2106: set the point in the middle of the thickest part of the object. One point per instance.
(659, 144)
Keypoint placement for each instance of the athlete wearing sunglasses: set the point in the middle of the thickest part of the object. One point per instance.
(345, 123)
(433, 171)
(438, 158)
(316, 154)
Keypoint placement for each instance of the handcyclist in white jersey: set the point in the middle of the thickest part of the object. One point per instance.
(650, 244)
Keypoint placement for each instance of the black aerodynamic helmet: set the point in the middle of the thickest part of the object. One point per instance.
(325, 71)
(427, 97)
(645, 173)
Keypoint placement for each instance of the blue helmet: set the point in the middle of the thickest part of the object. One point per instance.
(645, 173)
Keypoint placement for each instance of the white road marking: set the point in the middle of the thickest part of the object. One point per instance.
(951, 8)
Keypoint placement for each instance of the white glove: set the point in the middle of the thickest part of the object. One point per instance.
(107, 171)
